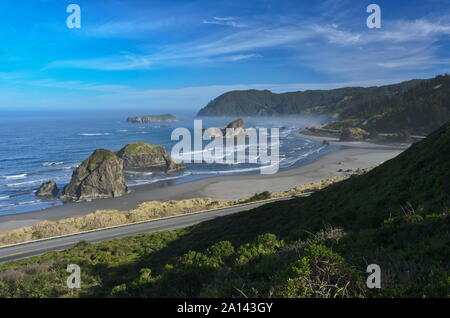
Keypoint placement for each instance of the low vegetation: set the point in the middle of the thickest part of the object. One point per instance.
(144, 212)
(137, 148)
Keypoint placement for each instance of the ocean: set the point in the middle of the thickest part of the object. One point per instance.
(37, 148)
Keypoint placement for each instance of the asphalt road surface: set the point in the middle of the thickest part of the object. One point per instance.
(25, 250)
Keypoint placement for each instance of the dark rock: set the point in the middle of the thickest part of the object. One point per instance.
(99, 176)
(142, 155)
(238, 123)
(238, 126)
(47, 189)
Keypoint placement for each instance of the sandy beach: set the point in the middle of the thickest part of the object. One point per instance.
(351, 156)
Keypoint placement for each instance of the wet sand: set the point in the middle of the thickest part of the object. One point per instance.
(352, 155)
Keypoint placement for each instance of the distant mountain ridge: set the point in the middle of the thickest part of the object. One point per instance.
(411, 107)
(316, 102)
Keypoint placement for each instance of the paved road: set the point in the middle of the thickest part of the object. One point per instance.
(60, 243)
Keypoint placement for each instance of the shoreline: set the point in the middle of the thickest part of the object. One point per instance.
(351, 155)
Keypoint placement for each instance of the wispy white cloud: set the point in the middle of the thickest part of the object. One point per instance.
(416, 30)
(123, 62)
(241, 57)
(332, 34)
(227, 21)
(74, 85)
(23, 79)
(127, 28)
(236, 46)
(325, 47)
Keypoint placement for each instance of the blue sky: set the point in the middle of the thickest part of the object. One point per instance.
(181, 54)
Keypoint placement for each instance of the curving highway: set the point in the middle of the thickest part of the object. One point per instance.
(24, 250)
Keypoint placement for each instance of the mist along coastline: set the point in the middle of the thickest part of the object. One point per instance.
(349, 157)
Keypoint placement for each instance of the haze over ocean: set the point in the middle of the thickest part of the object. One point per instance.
(48, 146)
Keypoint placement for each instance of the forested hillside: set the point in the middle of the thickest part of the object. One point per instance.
(419, 110)
(414, 107)
(323, 102)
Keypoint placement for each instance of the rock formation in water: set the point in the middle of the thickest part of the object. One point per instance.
(233, 129)
(99, 176)
(47, 189)
(166, 118)
(142, 155)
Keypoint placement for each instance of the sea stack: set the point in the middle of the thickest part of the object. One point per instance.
(47, 189)
(99, 176)
(233, 129)
(142, 155)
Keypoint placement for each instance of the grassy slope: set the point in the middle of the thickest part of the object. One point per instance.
(138, 148)
(395, 216)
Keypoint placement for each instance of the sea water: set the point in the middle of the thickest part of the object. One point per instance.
(34, 149)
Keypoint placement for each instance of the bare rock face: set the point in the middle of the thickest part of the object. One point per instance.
(354, 134)
(47, 189)
(142, 155)
(99, 176)
(238, 123)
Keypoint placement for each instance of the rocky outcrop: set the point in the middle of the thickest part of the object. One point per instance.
(99, 176)
(233, 129)
(238, 123)
(142, 155)
(166, 118)
(47, 189)
(354, 134)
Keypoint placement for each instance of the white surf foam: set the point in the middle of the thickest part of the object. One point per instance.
(18, 184)
(138, 173)
(291, 161)
(49, 164)
(17, 176)
(153, 180)
(94, 134)
(226, 171)
(29, 202)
